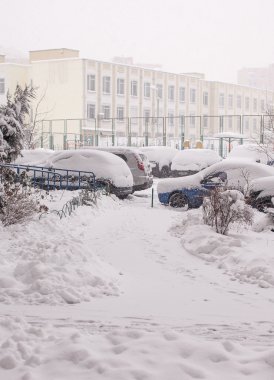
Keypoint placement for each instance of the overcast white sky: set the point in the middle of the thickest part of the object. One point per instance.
(216, 37)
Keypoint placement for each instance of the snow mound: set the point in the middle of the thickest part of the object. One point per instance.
(52, 261)
(49, 352)
(246, 256)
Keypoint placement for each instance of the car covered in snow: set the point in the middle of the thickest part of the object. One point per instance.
(33, 156)
(261, 193)
(137, 163)
(189, 191)
(253, 152)
(108, 168)
(160, 159)
(191, 161)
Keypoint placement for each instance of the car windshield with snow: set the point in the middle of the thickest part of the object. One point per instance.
(191, 161)
(189, 191)
(108, 168)
(160, 158)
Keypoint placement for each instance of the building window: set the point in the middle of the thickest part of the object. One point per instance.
(159, 91)
(171, 119)
(239, 126)
(255, 125)
(106, 111)
(91, 82)
(230, 101)
(192, 95)
(171, 90)
(192, 121)
(246, 124)
(262, 106)
(182, 94)
(147, 116)
(229, 122)
(221, 100)
(147, 90)
(246, 103)
(2, 85)
(182, 120)
(120, 86)
(205, 98)
(134, 115)
(91, 111)
(120, 113)
(106, 85)
(239, 101)
(205, 121)
(255, 105)
(134, 88)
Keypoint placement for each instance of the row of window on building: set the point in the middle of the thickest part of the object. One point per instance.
(148, 88)
(239, 103)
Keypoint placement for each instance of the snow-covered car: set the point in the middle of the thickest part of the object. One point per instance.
(107, 168)
(33, 156)
(189, 191)
(261, 193)
(191, 161)
(137, 163)
(253, 152)
(160, 158)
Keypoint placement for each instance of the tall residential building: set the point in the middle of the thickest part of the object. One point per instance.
(259, 77)
(90, 95)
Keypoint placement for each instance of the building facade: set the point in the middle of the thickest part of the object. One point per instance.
(114, 102)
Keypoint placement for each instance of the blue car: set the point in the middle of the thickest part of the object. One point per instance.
(189, 192)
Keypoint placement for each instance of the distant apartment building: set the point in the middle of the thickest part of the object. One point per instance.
(85, 94)
(258, 77)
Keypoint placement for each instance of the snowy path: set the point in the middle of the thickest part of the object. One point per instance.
(162, 285)
(177, 317)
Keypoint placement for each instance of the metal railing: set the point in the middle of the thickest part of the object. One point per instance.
(54, 178)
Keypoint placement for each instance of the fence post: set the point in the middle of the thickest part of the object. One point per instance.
(164, 131)
(112, 131)
(65, 136)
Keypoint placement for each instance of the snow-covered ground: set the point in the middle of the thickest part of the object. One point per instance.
(126, 291)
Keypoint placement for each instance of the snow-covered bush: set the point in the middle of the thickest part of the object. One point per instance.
(12, 118)
(17, 202)
(222, 208)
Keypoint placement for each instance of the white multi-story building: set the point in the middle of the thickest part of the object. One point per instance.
(259, 77)
(114, 100)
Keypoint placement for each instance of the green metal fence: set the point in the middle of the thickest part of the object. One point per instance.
(143, 131)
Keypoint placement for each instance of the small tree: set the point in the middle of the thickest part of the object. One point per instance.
(17, 202)
(265, 140)
(12, 118)
(223, 208)
(32, 128)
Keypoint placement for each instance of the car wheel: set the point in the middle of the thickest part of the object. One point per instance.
(164, 172)
(178, 200)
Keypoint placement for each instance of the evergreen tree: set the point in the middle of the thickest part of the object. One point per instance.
(12, 117)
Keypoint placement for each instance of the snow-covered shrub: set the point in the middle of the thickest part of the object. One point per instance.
(222, 208)
(17, 202)
(12, 118)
